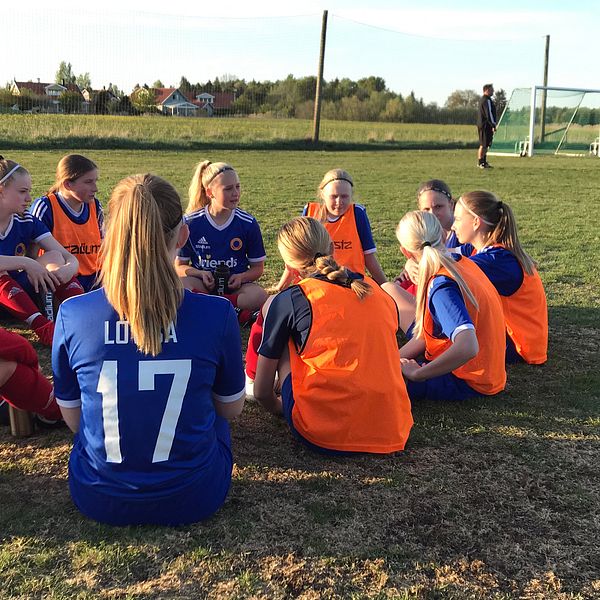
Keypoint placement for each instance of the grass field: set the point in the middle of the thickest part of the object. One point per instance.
(493, 498)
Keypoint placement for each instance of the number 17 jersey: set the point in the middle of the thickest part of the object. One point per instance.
(147, 423)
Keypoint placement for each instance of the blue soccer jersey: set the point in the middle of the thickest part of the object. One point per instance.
(148, 424)
(22, 231)
(42, 209)
(237, 243)
(501, 267)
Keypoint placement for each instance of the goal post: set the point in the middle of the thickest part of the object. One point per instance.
(571, 122)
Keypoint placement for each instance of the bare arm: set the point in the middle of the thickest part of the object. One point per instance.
(413, 348)
(230, 410)
(374, 268)
(71, 265)
(464, 348)
(264, 384)
(71, 417)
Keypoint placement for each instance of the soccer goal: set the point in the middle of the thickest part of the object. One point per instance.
(549, 120)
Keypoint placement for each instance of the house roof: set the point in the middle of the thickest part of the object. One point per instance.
(162, 94)
(221, 99)
(40, 88)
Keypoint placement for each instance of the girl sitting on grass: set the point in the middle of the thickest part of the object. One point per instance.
(22, 277)
(339, 393)
(488, 225)
(220, 232)
(347, 224)
(147, 373)
(455, 322)
(73, 214)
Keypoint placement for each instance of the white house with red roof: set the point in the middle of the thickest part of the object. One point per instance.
(171, 101)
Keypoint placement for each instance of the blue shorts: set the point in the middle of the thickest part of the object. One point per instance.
(446, 387)
(512, 356)
(198, 501)
(287, 399)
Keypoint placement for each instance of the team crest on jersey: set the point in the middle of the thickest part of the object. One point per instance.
(20, 249)
(235, 244)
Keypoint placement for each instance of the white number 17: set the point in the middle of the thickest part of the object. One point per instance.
(148, 369)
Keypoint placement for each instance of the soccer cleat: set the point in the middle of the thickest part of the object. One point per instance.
(45, 333)
(487, 165)
(245, 317)
(249, 388)
(44, 423)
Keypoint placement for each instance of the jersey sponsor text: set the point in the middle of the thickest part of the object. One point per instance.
(118, 333)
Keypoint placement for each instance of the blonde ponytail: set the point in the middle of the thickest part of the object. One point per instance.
(204, 174)
(137, 271)
(305, 245)
(498, 217)
(420, 233)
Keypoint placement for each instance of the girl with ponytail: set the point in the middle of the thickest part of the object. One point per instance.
(339, 393)
(488, 225)
(145, 383)
(222, 233)
(455, 321)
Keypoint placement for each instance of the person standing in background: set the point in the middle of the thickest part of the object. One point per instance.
(486, 124)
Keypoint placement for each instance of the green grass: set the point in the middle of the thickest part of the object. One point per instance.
(493, 498)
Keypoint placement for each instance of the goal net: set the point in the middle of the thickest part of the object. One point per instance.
(549, 120)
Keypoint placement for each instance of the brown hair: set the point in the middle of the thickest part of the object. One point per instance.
(498, 219)
(137, 271)
(305, 245)
(70, 168)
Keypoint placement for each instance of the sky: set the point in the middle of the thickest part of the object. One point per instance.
(429, 47)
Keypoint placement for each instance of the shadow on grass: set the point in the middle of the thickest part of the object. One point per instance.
(117, 143)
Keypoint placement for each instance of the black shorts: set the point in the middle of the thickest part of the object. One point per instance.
(486, 135)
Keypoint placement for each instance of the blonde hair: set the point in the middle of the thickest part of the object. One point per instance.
(70, 168)
(498, 218)
(331, 175)
(10, 168)
(204, 175)
(137, 271)
(305, 245)
(421, 233)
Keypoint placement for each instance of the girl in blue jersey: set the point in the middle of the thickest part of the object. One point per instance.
(455, 322)
(488, 229)
(73, 214)
(220, 232)
(147, 373)
(22, 277)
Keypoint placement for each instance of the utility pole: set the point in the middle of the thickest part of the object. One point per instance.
(544, 92)
(318, 91)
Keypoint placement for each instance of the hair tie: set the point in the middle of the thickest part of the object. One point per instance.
(17, 166)
(318, 255)
(433, 188)
(424, 244)
(337, 179)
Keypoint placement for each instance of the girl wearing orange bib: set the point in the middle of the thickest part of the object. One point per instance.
(339, 394)
(456, 322)
(488, 224)
(73, 214)
(347, 224)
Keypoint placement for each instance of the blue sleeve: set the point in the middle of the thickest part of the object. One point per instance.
(254, 244)
(66, 385)
(38, 230)
(502, 268)
(289, 315)
(364, 229)
(42, 209)
(447, 306)
(304, 211)
(100, 217)
(230, 379)
(464, 249)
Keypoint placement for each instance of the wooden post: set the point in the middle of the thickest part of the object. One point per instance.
(21, 423)
(544, 92)
(317, 114)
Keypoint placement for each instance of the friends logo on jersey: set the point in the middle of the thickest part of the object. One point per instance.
(210, 264)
